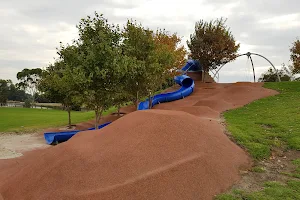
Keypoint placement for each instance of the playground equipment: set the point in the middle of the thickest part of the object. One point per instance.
(56, 137)
(192, 66)
(248, 54)
(187, 86)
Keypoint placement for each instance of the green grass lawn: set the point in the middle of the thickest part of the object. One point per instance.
(269, 122)
(29, 119)
(272, 191)
(273, 122)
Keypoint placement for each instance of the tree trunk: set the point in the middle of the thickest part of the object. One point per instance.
(150, 101)
(119, 107)
(98, 114)
(96, 119)
(69, 116)
(137, 100)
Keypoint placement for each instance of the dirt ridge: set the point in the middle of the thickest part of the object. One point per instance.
(169, 152)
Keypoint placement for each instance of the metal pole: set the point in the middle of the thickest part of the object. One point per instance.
(270, 63)
(216, 74)
(252, 69)
(249, 55)
(219, 69)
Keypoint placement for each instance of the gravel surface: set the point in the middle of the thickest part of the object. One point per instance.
(14, 145)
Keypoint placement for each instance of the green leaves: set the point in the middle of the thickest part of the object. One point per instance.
(295, 56)
(4, 91)
(271, 76)
(29, 80)
(212, 43)
(107, 66)
(153, 56)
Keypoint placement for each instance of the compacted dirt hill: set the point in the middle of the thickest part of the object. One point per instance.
(176, 151)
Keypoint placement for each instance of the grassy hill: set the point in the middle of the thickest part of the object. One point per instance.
(263, 128)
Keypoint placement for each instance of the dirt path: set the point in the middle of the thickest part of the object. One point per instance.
(14, 145)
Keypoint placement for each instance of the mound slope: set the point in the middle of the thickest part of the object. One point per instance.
(154, 154)
(240, 95)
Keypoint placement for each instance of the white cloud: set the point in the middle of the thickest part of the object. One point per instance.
(282, 22)
(244, 35)
(32, 29)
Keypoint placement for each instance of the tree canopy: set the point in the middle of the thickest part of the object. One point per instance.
(212, 44)
(295, 56)
(107, 66)
(139, 47)
(29, 80)
(270, 75)
(4, 91)
(16, 94)
(171, 43)
(9, 92)
(99, 54)
(58, 82)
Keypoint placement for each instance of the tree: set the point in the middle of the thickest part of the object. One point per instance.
(271, 76)
(42, 98)
(29, 80)
(121, 95)
(295, 56)
(154, 55)
(137, 41)
(170, 56)
(16, 94)
(60, 81)
(99, 53)
(138, 44)
(4, 91)
(166, 42)
(212, 44)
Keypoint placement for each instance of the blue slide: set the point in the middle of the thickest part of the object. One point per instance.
(192, 66)
(56, 137)
(187, 86)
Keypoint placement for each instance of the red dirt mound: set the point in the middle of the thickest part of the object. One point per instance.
(155, 154)
(128, 109)
(85, 125)
(240, 95)
(200, 111)
(91, 123)
(250, 84)
(218, 105)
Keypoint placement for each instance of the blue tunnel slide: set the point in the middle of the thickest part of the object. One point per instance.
(187, 86)
(56, 137)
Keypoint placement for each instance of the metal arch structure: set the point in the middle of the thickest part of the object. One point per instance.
(215, 73)
(248, 54)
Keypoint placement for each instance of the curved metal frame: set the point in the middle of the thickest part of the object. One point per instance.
(252, 67)
(249, 56)
(215, 73)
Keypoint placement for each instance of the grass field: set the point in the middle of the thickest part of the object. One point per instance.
(29, 119)
(265, 125)
(272, 191)
(270, 122)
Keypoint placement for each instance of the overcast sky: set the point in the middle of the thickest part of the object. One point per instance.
(31, 29)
